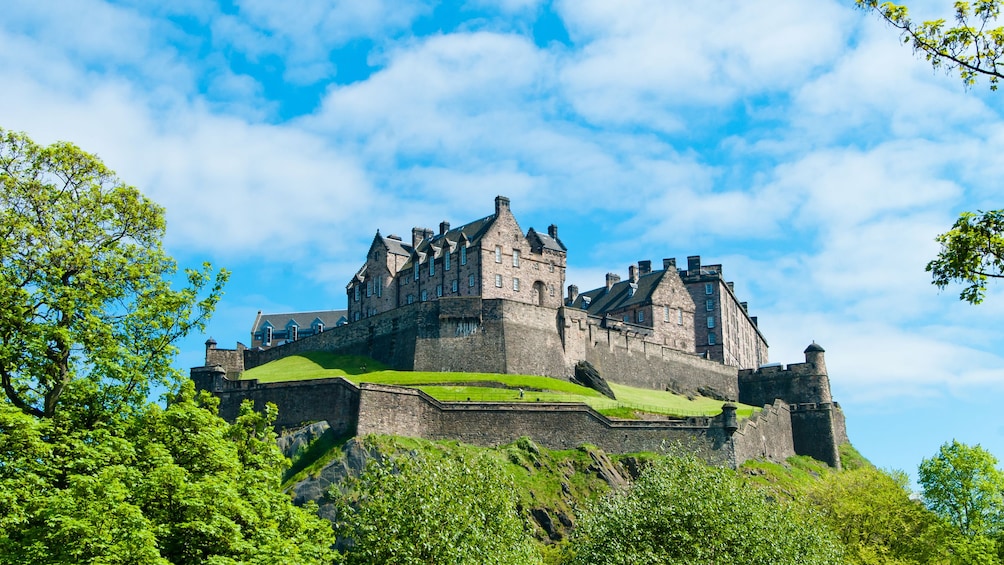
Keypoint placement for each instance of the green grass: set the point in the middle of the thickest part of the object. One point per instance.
(488, 387)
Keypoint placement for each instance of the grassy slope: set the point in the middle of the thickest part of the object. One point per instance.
(452, 387)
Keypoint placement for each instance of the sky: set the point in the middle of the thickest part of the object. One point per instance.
(800, 144)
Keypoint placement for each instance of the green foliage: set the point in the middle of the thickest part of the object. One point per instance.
(963, 485)
(876, 520)
(85, 294)
(971, 253)
(176, 485)
(974, 46)
(437, 510)
(683, 511)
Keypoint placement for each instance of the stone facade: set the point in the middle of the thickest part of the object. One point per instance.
(488, 258)
(724, 330)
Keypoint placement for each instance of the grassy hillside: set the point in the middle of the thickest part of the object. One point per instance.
(491, 387)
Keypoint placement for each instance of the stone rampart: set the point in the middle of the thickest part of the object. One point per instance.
(403, 411)
(765, 435)
(818, 430)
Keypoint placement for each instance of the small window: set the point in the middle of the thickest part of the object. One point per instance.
(463, 255)
(711, 339)
(454, 285)
(425, 295)
(356, 293)
(379, 286)
(550, 267)
(439, 290)
(515, 257)
(411, 299)
(679, 316)
(551, 288)
(498, 281)
(268, 335)
(709, 288)
(319, 328)
(641, 316)
(710, 305)
(711, 321)
(665, 314)
(416, 268)
(446, 260)
(470, 281)
(292, 333)
(369, 288)
(498, 253)
(627, 319)
(432, 265)
(515, 284)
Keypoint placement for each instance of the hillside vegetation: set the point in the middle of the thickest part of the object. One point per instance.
(631, 402)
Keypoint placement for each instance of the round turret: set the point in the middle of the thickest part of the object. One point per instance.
(729, 420)
(815, 354)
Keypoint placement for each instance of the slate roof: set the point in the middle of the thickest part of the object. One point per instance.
(546, 241)
(619, 296)
(471, 231)
(329, 318)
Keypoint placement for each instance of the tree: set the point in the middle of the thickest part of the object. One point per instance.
(973, 250)
(85, 286)
(164, 486)
(971, 253)
(683, 511)
(963, 485)
(974, 47)
(410, 511)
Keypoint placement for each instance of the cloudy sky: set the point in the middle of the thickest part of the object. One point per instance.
(800, 144)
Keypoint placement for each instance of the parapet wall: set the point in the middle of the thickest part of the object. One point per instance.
(799, 383)
(765, 435)
(410, 412)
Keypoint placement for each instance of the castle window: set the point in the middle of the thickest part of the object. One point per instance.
(319, 328)
(463, 255)
(268, 335)
(425, 295)
(679, 316)
(627, 318)
(709, 288)
(641, 316)
(470, 281)
(515, 257)
(416, 268)
(369, 288)
(455, 285)
(550, 266)
(515, 284)
(446, 260)
(498, 281)
(379, 286)
(356, 292)
(432, 264)
(439, 290)
(291, 332)
(551, 288)
(710, 305)
(665, 314)
(498, 253)
(711, 338)
(711, 321)
(411, 299)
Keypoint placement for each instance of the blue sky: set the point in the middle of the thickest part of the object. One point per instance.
(799, 144)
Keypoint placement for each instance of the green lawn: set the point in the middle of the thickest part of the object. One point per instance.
(487, 387)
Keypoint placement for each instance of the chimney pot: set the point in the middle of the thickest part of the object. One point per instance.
(612, 279)
(694, 265)
(633, 273)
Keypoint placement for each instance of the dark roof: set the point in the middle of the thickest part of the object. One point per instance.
(472, 232)
(814, 347)
(329, 318)
(395, 246)
(545, 240)
(619, 296)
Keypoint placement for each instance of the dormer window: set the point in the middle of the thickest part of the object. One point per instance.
(319, 328)
(463, 255)
(291, 333)
(268, 335)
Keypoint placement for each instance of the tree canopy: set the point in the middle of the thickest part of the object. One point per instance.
(963, 485)
(86, 301)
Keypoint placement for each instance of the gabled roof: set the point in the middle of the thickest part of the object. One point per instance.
(472, 232)
(394, 246)
(330, 319)
(601, 300)
(545, 241)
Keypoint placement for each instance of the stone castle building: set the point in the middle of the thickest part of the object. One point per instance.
(487, 297)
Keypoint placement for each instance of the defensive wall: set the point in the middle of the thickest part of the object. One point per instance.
(498, 336)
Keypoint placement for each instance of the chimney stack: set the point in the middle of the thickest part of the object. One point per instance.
(552, 230)
(644, 268)
(573, 293)
(694, 265)
(501, 203)
(444, 227)
(633, 273)
(417, 235)
(612, 279)
(669, 264)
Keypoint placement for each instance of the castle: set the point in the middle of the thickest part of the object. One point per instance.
(487, 297)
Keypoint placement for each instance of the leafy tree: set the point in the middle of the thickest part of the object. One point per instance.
(963, 485)
(683, 511)
(877, 521)
(459, 510)
(972, 252)
(85, 293)
(974, 47)
(166, 486)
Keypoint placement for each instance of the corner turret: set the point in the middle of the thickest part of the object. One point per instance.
(815, 355)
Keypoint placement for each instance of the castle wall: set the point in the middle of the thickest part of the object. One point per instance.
(333, 400)
(232, 360)
(409, 412)
(798, 384)
(817, 430)
(766, 435)
(623, 359)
